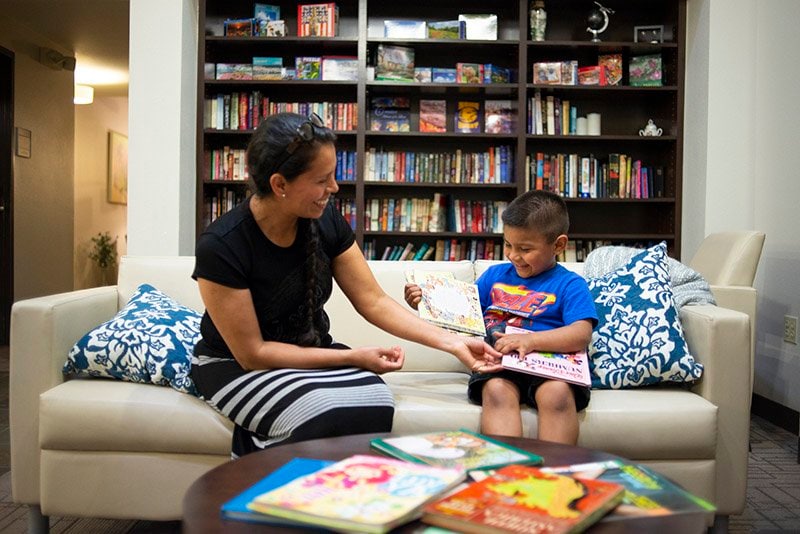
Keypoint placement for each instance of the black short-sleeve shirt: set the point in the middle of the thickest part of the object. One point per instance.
(234, 252)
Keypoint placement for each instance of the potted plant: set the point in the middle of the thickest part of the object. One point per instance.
(104, 254)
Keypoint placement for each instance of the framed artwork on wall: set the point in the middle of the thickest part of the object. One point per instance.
(117, 168)
(648, 34)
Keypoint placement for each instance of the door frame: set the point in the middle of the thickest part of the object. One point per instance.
(6, 191)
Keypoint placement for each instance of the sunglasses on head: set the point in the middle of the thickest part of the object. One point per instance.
(303, 134)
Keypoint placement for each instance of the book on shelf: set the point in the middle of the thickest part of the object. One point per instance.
(520, 498)
(267, 68)
(266, 12)
(450, 303)
(646, 492)
(423, 75)
(238, 27)
(339, 68)
(317, 20)
(469, 73)
(499, 116)
(274, 28)
(394, 63)
(432, 115)
(447, 29)
(236, 508)
(591, 75)
(362, 493)
(612, 68)
(645, 71)
(495, 74)
(480, 26)
(461, 448)
(468, 117)
(572, 367)
(390, 114)
(405, 29)
(234, 71)
(307, 67)
(443, 75)
(547, 72)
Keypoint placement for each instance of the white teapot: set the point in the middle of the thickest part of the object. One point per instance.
(651, 130)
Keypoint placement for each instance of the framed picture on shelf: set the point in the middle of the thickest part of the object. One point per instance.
(648, 34)
(117, 168)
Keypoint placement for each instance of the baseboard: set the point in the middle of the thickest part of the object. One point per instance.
(775, 413)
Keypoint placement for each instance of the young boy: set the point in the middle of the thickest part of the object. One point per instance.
(535, 293)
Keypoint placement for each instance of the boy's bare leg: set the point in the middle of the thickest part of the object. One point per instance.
(501, 414)
(558, 417)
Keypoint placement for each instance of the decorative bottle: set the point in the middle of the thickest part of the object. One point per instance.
(538, 20)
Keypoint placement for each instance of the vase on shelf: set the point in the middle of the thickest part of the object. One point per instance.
(538, 17)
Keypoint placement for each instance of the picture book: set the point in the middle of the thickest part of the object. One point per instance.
(307, 67)
(569, 72)
(362, 493)
(593, 75)
(236, 508)
(468, 117)
(454, 448)
(405, 29)
(422, 74)
(266, 12)
(495, 74)
(480, 26)
(450, 303)
(238, 27)
(339, 68)
(447, 29)
(469, 73)
(572, 367)
(443, 75)
(645, 71)
(234, 71)
(432, 116)
(499, 116)
(547, 72)
(394, 63)
(275, 28)
(390, 114)
(646, 492)
(519, 498)
(612, 67)
(267, 68)
(317, 20)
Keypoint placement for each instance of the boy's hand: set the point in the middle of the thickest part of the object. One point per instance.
(508, 343)
(413, 294)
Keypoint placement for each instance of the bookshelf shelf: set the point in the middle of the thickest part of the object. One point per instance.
(625, 109)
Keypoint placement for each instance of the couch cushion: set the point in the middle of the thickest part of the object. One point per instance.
(106, 415)
(171, 273)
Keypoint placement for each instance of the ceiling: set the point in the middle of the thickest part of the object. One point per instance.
(95, 30)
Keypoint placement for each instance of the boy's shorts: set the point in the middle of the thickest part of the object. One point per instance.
(527, 386)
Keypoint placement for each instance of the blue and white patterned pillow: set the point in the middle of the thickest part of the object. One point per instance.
(150, 340)
(638, 340)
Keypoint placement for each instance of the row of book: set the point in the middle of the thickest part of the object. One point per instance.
(480, 26)
(439, 250)
(347, 207)
(326, 68)
(221, 201)
(643, 71)
(245, 111)
(549, 115)
(577, 176)
(393, 114)
(313, 20)
(398, 64)
(229, 164)
(439, 214)
(495, 165)
(458, 480)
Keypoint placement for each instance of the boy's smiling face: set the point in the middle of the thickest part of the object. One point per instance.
(530, 252)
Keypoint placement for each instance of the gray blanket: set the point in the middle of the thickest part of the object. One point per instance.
(688, 286)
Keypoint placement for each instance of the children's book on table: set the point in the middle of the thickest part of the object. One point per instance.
(572, 367)
(448, 302)
(524, 499)
(362, 493)
(462, 449)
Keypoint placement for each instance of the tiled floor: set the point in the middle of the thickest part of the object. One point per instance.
(773, 493)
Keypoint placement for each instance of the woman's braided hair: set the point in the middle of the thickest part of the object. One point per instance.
(267, 148)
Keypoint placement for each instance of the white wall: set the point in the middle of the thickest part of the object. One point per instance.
(162, 127)
(93, 213)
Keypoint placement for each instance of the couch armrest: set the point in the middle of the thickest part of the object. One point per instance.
(43, 331)
(719, 338)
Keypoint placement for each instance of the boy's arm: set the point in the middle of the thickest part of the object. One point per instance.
(570, 338)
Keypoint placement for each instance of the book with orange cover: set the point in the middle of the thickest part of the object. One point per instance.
(572, 367)
(524, 499)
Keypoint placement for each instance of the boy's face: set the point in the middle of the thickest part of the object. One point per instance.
(529, 251)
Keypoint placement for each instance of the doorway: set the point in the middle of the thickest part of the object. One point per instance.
(6, 191)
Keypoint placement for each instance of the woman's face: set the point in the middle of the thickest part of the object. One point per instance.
(309, 193)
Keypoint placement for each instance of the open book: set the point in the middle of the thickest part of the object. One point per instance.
(572, 367)
(448, 302)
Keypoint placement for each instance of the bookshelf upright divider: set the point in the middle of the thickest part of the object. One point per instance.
(471, 176)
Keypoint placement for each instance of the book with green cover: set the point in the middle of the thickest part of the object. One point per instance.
(454, 448)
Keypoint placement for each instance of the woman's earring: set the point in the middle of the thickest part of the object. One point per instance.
(283, 195)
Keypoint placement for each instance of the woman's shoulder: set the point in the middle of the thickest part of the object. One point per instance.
(229, 221)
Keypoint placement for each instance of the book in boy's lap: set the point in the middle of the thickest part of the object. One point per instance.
(572, 367)
(361, 493)
(454, 448)
(448, 302)
(524, 499)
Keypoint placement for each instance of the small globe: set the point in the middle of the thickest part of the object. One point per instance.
(595, 19)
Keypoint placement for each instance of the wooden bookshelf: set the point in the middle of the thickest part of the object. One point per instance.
(624, 109)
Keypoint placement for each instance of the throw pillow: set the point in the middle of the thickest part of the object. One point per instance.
(638, 340)
(150, 340)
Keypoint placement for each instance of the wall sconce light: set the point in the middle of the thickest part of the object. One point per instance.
(56, 60)
(84, 94)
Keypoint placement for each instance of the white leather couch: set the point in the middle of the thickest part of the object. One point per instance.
(103, 448)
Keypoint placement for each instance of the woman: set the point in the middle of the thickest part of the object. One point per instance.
(265, 269)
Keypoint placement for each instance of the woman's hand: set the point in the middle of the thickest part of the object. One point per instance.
(413, 294)
(520, 343)
(378, 359)
(477, 355)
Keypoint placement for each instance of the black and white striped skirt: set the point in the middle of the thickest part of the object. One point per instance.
(279, 406)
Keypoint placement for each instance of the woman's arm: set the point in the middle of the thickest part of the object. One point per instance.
(234, 316)
(569, 338)
(354, 276)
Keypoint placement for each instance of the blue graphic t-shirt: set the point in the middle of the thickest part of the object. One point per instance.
(552, 299)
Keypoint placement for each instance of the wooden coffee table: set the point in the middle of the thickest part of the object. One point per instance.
(202, 502)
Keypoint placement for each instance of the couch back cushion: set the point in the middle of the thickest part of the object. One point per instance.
(170, 274)
(482, 265)
(348, 327)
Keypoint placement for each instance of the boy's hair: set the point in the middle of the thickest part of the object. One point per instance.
(540, 211)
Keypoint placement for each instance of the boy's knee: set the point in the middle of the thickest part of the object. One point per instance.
(499, 392)
(555, 396)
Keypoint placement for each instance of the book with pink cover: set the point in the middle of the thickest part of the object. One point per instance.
(362, 493)
(572, 367)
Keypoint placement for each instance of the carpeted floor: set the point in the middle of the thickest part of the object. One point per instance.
(773, 493)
